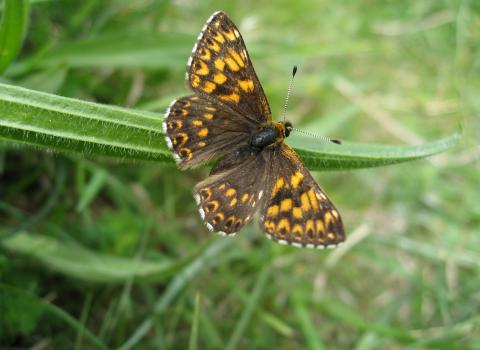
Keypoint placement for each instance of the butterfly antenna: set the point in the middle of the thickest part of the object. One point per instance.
(320, 137)
(290, 86)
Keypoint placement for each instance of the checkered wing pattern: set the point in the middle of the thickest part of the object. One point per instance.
(229, 198)
(220, 68)
(198, 130)
(297, 211)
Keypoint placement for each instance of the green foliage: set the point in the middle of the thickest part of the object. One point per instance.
(12, 30)
(101, 246)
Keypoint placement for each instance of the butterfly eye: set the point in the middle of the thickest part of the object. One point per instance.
(288, 128)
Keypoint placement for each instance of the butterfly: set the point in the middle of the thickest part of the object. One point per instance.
(227, 119)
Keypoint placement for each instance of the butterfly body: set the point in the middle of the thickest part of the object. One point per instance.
(228, 120)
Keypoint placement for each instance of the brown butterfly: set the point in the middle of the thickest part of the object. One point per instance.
(228, 120)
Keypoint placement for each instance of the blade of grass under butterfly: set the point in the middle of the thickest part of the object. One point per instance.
(70, 125)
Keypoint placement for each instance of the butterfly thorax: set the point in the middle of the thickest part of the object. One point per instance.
(269, 135)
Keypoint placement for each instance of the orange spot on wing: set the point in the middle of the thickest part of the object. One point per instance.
(230, 192)
(278, 186)
(296, 179)
(272, 210)
(219, 37)
(309, 226)
(219, 64)
(219, 78)
(236, 57)
(320, 227)
(195, 80)
(185, 153)
(214, 46)
(206, 55)
(244, 197)
(206, 193)
(233, 202)
(305, 202)
(297, 230)
(246, 85)
(208, 116)
(297, 213)
(286, 205)
(283, 227)
(328, 218)
(203, 132)
(233, 97)
(230, 35)
(269, 226)
(208, 87)
(197, 123)
(211, 206)
(203, 69)
(234, 67)
(313, 199)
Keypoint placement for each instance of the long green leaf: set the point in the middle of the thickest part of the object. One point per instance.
(70, 125)
(12, 30)
(76, 261)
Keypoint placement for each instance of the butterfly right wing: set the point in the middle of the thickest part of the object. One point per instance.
(198, 130)
(296, 210)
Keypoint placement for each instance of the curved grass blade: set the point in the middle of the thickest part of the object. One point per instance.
(350, 155)
(12, 30)
(70, 125)
(76, 261)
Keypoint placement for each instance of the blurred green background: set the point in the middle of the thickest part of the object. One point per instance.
(107, 254)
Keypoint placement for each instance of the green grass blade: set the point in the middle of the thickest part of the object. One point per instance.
(207, 258)
(312, 339)
(193, 345)
(250, 306)
(125, 50)
(12, 30)
(70, 125)
(76, 261)
(349, 155)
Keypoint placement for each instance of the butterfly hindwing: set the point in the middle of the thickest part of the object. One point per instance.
(198, 130)
(220, 68)
(233, 192)
(297, 211)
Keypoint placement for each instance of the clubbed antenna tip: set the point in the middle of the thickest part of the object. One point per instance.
(294, 71)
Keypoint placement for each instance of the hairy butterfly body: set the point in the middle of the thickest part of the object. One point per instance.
(228, 120)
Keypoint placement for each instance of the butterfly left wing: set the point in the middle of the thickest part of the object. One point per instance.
(220, 69)
(297, 211)
(198, 130)
(233, 192)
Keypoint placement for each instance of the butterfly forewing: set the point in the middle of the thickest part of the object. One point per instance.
(220, 68)
(297, 211)
(198, 130)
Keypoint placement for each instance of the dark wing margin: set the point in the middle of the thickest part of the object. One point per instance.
(198, 130)
(297, 211)
(220, 68)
